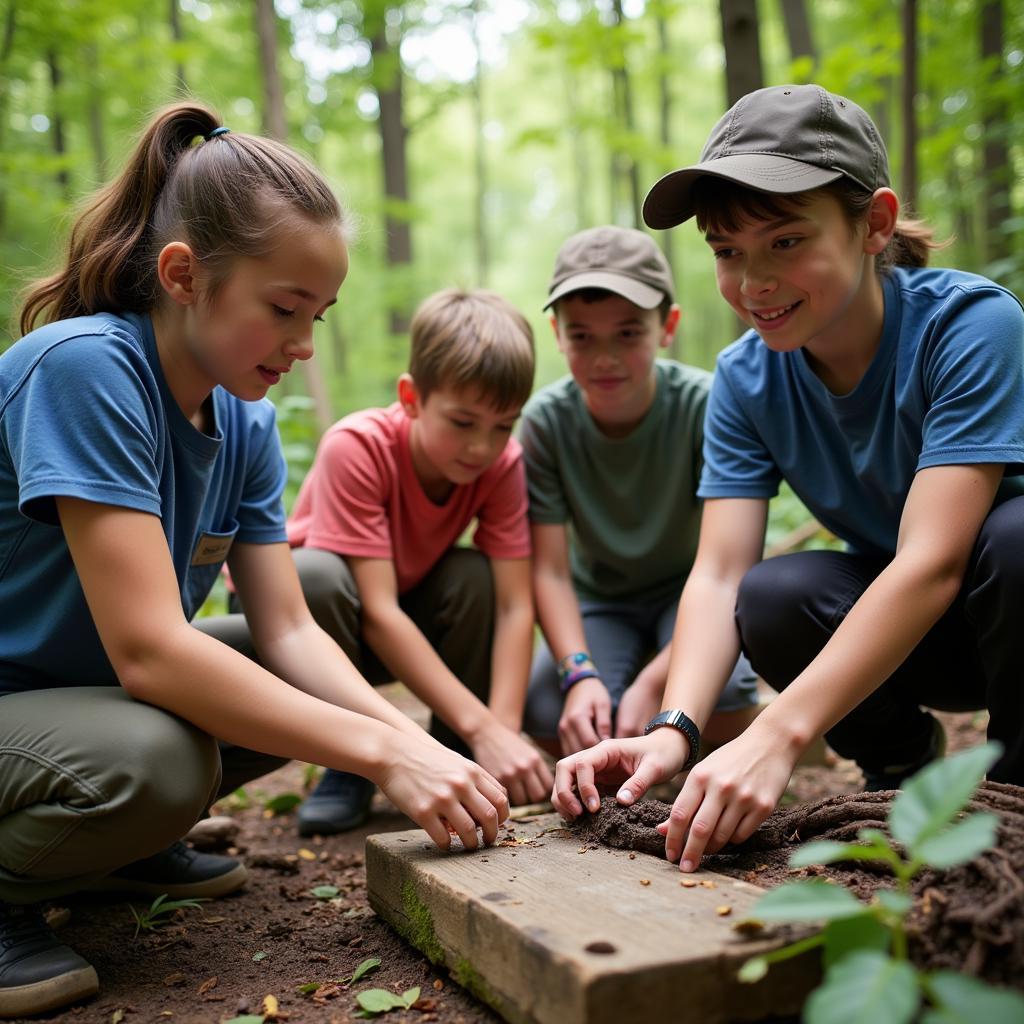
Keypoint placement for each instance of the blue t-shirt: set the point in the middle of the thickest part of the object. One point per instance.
(85, 412)
(946, 387)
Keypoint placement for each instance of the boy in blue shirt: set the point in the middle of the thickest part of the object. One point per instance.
(613, 455)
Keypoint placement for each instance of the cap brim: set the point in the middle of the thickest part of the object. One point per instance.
(640, 294)
(669, 201)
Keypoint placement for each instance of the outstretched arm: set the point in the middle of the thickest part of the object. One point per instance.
(587, 712)
(401, 645)
(730, 793)
(128, 578)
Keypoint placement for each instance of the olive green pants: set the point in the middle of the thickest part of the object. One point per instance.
(91, 780)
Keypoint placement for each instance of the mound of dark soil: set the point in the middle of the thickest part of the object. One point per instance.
(969, 918)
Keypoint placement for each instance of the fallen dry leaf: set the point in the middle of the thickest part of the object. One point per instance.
(710, 885)
(175, 979)
(645, 881)
(307, 854)
(438, 984)
(723, 911)
(687, 883)
(210, 983)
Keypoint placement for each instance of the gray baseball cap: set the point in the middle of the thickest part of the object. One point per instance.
(620, 260)
(785, 139)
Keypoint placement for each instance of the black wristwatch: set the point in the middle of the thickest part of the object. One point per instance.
(686, 725)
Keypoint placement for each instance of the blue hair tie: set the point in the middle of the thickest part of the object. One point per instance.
(216, 132)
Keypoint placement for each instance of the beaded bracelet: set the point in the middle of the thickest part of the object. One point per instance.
(574, 668)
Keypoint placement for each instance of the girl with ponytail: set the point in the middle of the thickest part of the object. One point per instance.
(138, 455)
(890, 396)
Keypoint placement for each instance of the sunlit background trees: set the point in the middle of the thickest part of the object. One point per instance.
(469, 137)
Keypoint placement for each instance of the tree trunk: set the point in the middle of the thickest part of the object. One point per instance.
(59, 141)
(625, 173)
(180, 83)
(995, 153)
(665, 137)
(480, 157)
(393, 136)
(275, 125)
(6, 45)
(742, 44)
(798, 30)
(909, 110)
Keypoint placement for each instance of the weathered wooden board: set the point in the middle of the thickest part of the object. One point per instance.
(547, 931)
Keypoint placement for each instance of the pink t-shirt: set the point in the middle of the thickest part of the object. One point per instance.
(362, 497)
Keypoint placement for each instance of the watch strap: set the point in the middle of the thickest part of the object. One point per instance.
(679, 720)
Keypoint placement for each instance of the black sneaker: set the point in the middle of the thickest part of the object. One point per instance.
(178, 872)
(38, 972)
(341, 801)
(893, 776)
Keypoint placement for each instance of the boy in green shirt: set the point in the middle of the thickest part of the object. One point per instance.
(613, 457)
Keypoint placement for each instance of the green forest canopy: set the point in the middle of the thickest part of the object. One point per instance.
(520, 122)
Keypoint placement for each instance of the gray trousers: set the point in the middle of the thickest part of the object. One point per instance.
(622, 636)
(453, 607)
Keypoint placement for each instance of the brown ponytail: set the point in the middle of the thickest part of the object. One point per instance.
(225, 196)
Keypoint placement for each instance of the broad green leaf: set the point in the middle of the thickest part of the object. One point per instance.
(249, 1018)
(828, 852)
(960, 843)
(753, 970)
(865, 988)
(853, 934)
(410, 995)
(807, 901)
(261, 955)
(379, 1000)
(930, 800)
(308, 989)
(365, 967)
(324, 892)
(966, 1000)
(283, 803)
(893, 901)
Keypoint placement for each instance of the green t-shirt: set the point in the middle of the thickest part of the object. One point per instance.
(630, 503)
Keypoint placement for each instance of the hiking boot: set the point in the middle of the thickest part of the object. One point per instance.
(38, 972)
(341, 801)
(893, 776)
(179, 873)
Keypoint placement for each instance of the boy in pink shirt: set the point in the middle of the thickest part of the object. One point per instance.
(374, 531)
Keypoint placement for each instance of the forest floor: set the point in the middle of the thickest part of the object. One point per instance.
(275, 946)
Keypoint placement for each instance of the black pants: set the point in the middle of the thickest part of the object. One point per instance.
(789, 607)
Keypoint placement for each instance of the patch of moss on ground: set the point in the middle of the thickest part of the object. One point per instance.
(419, 929)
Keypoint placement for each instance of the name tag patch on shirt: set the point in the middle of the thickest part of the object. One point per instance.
(212, 548)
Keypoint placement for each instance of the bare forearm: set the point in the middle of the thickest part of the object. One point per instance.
(704, 647)
(559, 614)
(309, 659)
(409, 656)
(510, 663)
(224, 693)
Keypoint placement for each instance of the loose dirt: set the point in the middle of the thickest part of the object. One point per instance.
(209, 965)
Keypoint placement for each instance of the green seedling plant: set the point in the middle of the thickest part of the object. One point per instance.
(159, 913)
(868, 976)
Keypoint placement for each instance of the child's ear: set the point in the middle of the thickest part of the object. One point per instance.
(409, 395)
(175, 269)
(553, 320)
(881, 220)
(668, 328)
